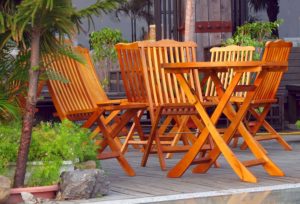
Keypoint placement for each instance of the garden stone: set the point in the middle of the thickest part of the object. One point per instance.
(5, 184)
(83, 184)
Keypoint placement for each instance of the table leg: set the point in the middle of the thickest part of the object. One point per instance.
(210, 128)
(236, 123)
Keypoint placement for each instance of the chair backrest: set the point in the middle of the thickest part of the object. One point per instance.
(164, 87)
(275, 51)
(129, 57)
(90, 76)
(71, 96)
(231, 53)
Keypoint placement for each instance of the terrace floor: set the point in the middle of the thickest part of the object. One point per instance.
(151, 184)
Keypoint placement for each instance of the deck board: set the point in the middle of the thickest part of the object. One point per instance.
(151, 181)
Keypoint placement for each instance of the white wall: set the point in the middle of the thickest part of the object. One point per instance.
(107, 21)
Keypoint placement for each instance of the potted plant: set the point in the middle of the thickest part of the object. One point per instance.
(53, 146)
(41, 27)
(254, 34)
(104, 53)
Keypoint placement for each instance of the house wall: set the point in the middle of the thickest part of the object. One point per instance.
(289, 12)
(107, 20)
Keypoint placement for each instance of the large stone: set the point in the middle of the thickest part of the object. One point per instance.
(5, 184)
(83, 184)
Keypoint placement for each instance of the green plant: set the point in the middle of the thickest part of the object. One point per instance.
(51, 145)
(254, 34)
(42, 27)
(103, 43)
(272, 7)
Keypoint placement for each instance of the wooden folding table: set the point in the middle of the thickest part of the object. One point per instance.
(210, 69)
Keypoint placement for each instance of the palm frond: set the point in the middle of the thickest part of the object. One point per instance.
(96, 9)
(258, 5)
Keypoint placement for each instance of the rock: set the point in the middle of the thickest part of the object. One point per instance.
(83, 184)
(5, 184)
(91, 164)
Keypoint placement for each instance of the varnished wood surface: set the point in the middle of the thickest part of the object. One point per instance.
(206, 66)
(151, 181)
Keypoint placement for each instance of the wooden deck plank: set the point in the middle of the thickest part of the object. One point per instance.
(151, 181)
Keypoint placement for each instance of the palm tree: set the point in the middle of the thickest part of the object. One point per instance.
(135, 9)
(42, 25)
(189, 30)
(272, 7)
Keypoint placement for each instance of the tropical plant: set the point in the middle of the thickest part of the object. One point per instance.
(48, 149)
(42, 25)
(136, 9)
(13, 74)
(104, 53)
(254, 34)
(272, 7)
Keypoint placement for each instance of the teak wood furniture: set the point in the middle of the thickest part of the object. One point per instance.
(277, 51)
(74, 101)
(162, 92)
(262, 69)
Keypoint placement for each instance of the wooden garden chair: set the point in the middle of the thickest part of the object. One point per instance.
(231, 53)
(160, 91)
(92, 82)
(276, 51)
(76, 101)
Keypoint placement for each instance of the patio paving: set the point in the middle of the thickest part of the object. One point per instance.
(150, 183)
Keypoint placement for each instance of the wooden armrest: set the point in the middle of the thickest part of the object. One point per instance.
(112, 102)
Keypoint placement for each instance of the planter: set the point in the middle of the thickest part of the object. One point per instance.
(47, 192)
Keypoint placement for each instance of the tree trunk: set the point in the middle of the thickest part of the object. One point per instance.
(189, 28)
(273, 11)
(30, 109)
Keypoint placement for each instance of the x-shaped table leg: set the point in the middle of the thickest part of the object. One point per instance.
(210, 128)
(236, 123)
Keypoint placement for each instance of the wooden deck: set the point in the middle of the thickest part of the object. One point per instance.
(152, 182)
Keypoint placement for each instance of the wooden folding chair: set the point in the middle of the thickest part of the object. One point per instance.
(92, 82)
(75, 101)
(231, 53)
(161, 91)
(276, 51)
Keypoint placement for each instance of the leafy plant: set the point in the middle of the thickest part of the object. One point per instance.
(13, 75)
(51, 145)
(272, 7)
(103, 43)
(254, 34)
(41, 26)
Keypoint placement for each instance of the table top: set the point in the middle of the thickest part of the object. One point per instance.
(252, 66)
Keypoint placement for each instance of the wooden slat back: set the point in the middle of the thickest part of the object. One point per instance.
(70, 96)
(89, 75)
(131, 71)
(164, 88)
(231, 53)
(275, 51)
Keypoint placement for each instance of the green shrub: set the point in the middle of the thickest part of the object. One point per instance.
(103, 44)
(51, 144)
(254, 34)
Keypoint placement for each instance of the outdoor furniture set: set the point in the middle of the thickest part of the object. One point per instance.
(165, 79)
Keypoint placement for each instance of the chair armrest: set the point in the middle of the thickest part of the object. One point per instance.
(112, 102)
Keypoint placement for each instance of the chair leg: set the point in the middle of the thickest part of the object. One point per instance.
(152, 136)
(110, 132)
